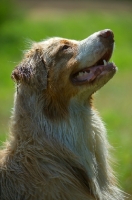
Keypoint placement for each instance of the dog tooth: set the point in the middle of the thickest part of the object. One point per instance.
(105, 63)
(80, 74)
(83, 73)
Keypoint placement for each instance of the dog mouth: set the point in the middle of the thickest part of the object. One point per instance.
(89, 74)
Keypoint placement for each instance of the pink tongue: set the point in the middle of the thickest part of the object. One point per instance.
(93, 73)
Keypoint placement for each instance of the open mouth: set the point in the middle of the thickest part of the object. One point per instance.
(101, 68)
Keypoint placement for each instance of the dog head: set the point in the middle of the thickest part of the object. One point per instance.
(64, 69)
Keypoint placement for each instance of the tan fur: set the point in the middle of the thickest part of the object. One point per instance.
(57, 149)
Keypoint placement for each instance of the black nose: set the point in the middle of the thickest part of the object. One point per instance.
(106, 33)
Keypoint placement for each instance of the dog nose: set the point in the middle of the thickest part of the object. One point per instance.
(107, 36)
(106, 33)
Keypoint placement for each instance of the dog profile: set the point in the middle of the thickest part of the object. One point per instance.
(57, 147)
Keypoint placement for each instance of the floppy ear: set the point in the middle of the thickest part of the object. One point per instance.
(22, 72)
(32, 71)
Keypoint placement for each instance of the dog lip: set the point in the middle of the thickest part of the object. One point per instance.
(93, 73)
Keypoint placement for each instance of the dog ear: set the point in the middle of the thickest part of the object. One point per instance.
(22, 73)
(32, 71)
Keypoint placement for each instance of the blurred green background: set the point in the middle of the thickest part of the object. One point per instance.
(26, 20)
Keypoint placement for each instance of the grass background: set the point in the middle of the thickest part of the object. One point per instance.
(113, 101)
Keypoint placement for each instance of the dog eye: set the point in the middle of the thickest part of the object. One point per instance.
(65, 47)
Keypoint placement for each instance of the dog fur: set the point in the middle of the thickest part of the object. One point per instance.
(57, 147)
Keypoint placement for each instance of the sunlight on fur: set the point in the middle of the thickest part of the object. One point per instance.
(57, 147)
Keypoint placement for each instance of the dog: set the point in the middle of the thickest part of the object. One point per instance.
(57, 147)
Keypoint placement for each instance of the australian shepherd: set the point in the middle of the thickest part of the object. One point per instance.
(57, 147)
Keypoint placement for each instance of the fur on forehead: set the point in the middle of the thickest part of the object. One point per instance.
(46, 45)
(53, 41)
(41, 46)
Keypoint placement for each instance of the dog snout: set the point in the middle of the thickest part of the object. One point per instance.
(107, 35)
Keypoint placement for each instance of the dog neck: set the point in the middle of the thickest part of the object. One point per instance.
(84, 134)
